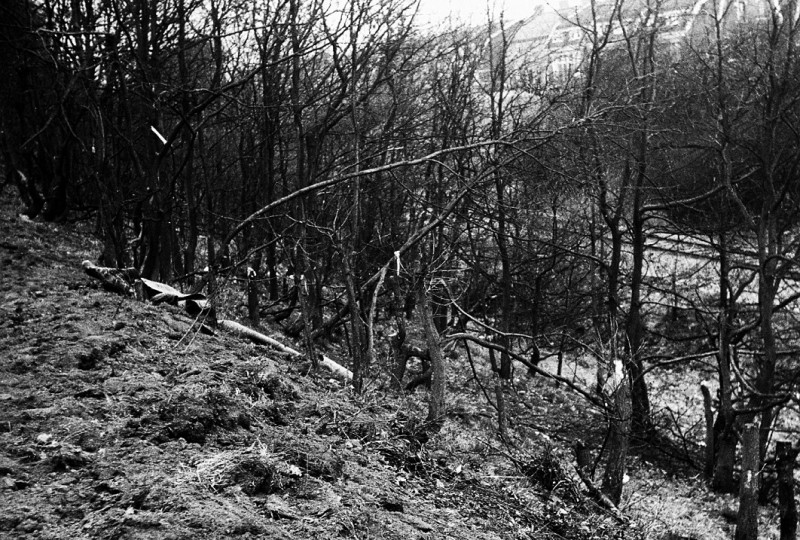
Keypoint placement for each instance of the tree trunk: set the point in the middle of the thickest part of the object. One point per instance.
(708, 459)
(112, 227)
(192, 225)
(500, 400)
(369, 345)
(436, 401)
(619, 434)
(535, 316)
(503, 374)
(272, 124)
(400, 359)
(767, 288)
(211, 235)
(506, 306)
(642, 423)
(272, 271)
(304, 270)
(302, 293)
(726, 440)
(357, 333)
(640, 401)
(253, 292)
(747, 519)
(56, 203)
(187, 140)
(786, 456)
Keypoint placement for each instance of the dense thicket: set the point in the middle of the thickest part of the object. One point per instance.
(358, 164)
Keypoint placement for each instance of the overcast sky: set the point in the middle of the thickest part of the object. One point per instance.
(474, 11)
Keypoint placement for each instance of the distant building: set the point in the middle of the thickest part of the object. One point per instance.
(550, 46)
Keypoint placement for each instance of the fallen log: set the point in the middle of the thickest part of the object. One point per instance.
(178, 322)
(128, 282)
(116, 280)
(125, 280)
(258, 337)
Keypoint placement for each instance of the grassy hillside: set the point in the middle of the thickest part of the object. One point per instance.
(118, 421)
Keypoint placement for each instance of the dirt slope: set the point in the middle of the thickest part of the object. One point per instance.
(116, 421)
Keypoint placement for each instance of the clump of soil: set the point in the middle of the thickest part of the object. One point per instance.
(252, 473)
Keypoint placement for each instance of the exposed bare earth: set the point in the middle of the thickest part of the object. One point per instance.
(115, 422)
